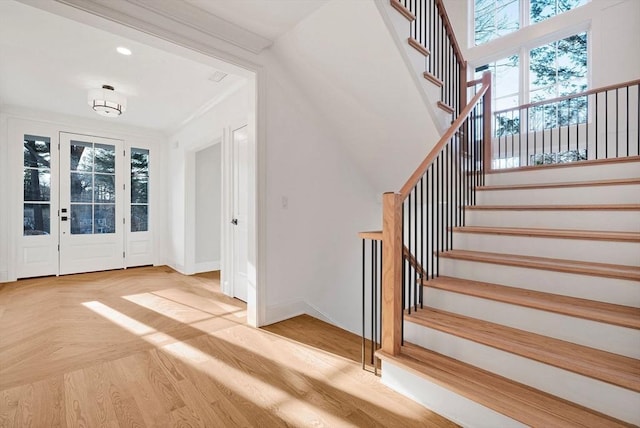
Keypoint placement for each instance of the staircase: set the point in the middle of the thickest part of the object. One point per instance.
(506, 297)
(535, 317)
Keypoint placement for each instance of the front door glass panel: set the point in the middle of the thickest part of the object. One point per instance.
(92, 188)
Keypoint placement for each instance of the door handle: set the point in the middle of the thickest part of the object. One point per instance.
(234, 222)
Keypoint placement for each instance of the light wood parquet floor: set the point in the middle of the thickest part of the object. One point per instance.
(148, 347)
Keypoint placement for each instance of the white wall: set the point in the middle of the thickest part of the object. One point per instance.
(202, 132)
(313, 251)
(208, 199)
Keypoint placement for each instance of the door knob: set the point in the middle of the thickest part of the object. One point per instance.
(234, 221)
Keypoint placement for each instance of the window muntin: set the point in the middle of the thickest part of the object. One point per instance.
(36, 176)
(139, 190)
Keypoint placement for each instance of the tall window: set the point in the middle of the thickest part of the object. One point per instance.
(497, 18)
(139, 190)
(37, 185)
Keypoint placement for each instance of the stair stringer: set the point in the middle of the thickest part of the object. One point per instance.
(400, 31)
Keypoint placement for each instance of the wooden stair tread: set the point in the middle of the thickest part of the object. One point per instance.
(605, 366)
(445, 107)
(567, 165)
(596, 235)
(612, 182)
(515, 400)
(594, 207)
(559, 265)
(433, 79)
(403, 10)
(418, 46)
(624, 316)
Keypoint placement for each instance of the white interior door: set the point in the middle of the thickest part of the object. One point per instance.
(240, 204)
(91, 203)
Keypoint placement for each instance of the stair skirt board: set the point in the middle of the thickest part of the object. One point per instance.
(609, 290)
(621, 220)
(459, 409)
(625, 253)
(609, 399)
(606, 337)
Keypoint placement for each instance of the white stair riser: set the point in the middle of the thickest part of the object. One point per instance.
(566, 174)
(622, 221)
(610, 290)
(606, 398)
(623, 253)
(621, 194)
(607, 337)
(443, 401)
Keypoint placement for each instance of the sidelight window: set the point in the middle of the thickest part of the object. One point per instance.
(36, 185)
(139, 190)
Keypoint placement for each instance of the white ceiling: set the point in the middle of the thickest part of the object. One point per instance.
(48, 62)
(267, 18)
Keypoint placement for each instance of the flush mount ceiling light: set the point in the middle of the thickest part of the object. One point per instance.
(123, 51)
(107, 102)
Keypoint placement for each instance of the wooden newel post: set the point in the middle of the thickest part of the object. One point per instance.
(488, 121)
(391, 273)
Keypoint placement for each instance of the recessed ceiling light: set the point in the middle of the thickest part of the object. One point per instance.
(124, 51)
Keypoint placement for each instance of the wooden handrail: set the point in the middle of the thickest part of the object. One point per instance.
(450, 33)
(471, 83)
(426, 163)
(375, 235)
(567, 97)
(413, 262)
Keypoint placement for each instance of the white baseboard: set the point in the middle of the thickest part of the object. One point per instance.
(206, 266)
(4, 276)
(293, 308)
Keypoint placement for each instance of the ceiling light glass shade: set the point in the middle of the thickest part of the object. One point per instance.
(106, 102)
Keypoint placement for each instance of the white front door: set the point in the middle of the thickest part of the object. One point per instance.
(240, 204)
(91, 203)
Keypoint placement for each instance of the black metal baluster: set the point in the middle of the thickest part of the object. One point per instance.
(627, 111)
(568, 123)
(364, 280)
(433, 220)
(617, 121)
(596, 121)
(373, 304)
(415, 249)
(606, 124)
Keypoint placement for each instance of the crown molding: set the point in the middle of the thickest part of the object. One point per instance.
(176, 22)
